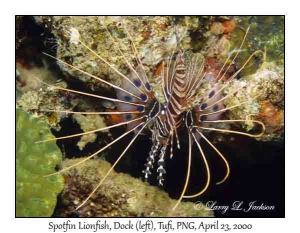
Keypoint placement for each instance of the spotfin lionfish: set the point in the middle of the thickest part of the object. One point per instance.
(182, 108)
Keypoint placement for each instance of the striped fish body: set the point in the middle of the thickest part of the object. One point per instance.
(172, 115)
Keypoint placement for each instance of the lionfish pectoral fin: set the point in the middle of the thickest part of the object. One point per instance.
(141, 88)
(222, 157)
(187, 173)
(143, 125)
(206, 166)
(122, 107)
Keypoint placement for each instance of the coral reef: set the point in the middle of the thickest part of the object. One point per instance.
(26, 77)
(266, 32)
(88, 123)
(155, 39)
(272, 117)
(148, 34)
(120, 195)
(36, 97)
(35, 195)
(47, 98)
(264, 90)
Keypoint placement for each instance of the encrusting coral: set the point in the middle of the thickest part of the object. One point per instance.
(36, 195)
(88, 123)
(265, 92)
(120, 195)
(155, 38)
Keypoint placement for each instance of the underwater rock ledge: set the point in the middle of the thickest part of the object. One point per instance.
(120, 195)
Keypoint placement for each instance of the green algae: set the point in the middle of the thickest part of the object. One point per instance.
(36, 195)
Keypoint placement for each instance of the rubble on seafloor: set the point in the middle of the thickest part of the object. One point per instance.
(119, 196)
